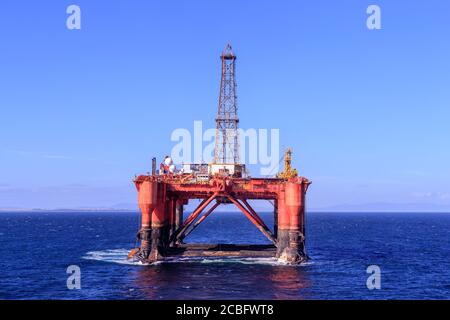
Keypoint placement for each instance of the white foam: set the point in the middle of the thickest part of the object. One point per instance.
(119, 256)
(112, 256)
(260, 261)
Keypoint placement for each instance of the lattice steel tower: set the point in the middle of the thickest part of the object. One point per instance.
(227, 140)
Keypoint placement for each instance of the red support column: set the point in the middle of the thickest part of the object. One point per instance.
(147, 200)
(294, 196)
(301, 221)
(160, 225)
(283, 223)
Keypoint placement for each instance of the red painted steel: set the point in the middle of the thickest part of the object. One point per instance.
(293, 203)
(283, 214)
(162, 197)
(147, 201)
(159, 217)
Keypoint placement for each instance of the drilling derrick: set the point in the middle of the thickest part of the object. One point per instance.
(226, 149)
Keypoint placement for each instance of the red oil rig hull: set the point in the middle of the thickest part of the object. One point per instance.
(162, 198)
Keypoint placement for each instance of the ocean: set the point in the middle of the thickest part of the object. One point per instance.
(412, 251)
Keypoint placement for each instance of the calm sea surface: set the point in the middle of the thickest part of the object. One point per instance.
(412, 250)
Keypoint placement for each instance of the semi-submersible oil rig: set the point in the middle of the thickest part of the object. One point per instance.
(162, 195)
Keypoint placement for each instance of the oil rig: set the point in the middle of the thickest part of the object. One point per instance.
(163, 194)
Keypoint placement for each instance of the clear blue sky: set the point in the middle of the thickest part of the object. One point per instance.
(83, 111)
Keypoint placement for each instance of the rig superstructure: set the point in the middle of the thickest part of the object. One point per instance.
(162, 195)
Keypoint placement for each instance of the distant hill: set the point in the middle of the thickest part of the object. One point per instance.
(262, 206)
(76, 209)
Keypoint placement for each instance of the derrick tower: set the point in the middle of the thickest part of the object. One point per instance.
(226, 149)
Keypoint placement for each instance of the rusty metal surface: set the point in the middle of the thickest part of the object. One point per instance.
(222, 250)
(169, 190)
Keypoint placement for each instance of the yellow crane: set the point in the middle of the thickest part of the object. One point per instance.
(288, 171)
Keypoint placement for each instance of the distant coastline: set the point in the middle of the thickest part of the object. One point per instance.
(66, 210)
(233, 210)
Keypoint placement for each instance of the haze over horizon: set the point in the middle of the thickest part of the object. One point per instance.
(366, 112)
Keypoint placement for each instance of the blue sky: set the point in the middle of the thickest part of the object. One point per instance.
(83, 111)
